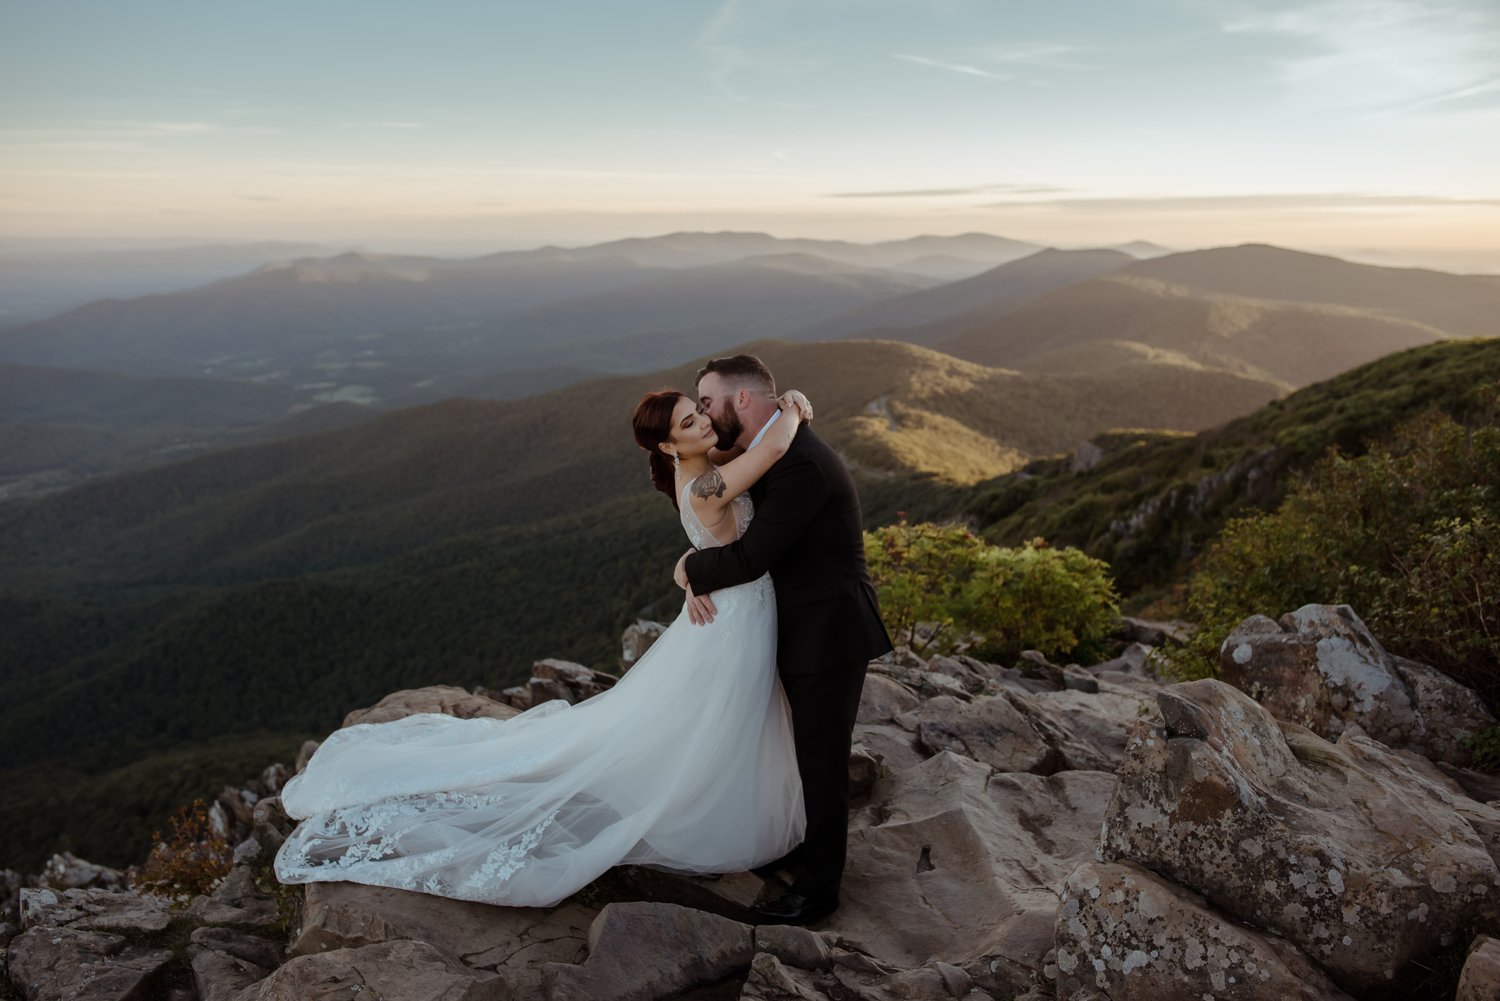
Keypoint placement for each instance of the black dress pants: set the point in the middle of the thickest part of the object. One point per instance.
(824, 707)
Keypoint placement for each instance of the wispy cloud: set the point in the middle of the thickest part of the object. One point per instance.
(951, 67)
(1050, 55)
(977, 189)
(381, 125)
(1382, 55)
(150, 129)
(1296, 201)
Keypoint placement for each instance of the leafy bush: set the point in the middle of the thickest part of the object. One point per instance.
(190, 861)
(1408, 534)
(1485, 746)
(1000, 600)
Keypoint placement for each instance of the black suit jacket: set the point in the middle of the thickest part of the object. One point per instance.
(808, 533)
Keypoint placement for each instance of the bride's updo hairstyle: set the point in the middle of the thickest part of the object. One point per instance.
(653, 426)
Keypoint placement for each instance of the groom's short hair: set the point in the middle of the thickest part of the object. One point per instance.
(741, 369)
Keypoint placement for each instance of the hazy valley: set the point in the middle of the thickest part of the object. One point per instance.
(236, 510)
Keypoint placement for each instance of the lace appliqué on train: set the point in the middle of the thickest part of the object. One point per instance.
(375, 830)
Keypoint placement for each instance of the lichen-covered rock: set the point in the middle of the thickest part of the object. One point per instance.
(1132, 936)
(93, 910)
(1451, 712)
(1364, 868)
(66, 871)
(70, 964)
(1480, 979)
(1322, 668)
(644, 951)
(411, 971)
(444, 699)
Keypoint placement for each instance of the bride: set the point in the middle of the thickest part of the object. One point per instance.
(686, 764)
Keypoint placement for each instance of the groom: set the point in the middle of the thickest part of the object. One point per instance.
(807, 533)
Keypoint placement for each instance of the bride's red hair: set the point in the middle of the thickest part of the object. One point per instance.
(653, 425)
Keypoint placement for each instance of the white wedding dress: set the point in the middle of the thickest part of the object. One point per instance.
(686, 764)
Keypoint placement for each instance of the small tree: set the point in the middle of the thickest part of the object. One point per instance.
(921, 573)
(189, 861)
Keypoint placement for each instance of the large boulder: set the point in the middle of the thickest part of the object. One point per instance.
(226, 961)
(855, 977)
(989, 729)
(94, 910)
(515, 941)
(972, 860)
(66, 871)
(645, 951)
(638, 637)
(1354, 857)
(1127, 934)
(70, 964)
(1322, 668)
(1480, 979)
(1017, 731)
(411, 971)
(444, 699)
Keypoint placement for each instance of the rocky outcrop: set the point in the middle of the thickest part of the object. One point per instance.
(1028, 831)
(68, 964)
(973, 859)
(1357, 859)
(434, 699)
(637, 639)
(1321, 667)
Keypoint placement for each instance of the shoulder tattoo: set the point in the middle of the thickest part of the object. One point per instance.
(710, 484)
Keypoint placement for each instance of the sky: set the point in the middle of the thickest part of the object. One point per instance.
(439, 125)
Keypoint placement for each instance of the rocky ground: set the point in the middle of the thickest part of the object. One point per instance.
(1026, 831)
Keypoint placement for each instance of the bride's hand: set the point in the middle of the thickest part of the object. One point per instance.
(795, 399)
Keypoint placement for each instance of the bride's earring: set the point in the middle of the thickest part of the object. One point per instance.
(676, 463)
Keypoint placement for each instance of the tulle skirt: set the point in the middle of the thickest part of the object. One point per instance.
(686, 764)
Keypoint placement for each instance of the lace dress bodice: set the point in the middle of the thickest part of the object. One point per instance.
(701, 537)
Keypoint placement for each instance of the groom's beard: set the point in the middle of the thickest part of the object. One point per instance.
(728, 426)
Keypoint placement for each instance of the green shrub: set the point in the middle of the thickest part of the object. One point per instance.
(1485, 746)
(1408, 535)
(1033, 597)
(921, 573)
(1002, 600)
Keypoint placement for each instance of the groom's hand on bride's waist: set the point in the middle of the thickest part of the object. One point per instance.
(701, 608)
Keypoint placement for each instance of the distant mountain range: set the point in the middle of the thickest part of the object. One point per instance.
(38, 282)
(1289, 317)
(392, 331)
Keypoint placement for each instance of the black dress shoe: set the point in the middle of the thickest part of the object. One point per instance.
(795, 909)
